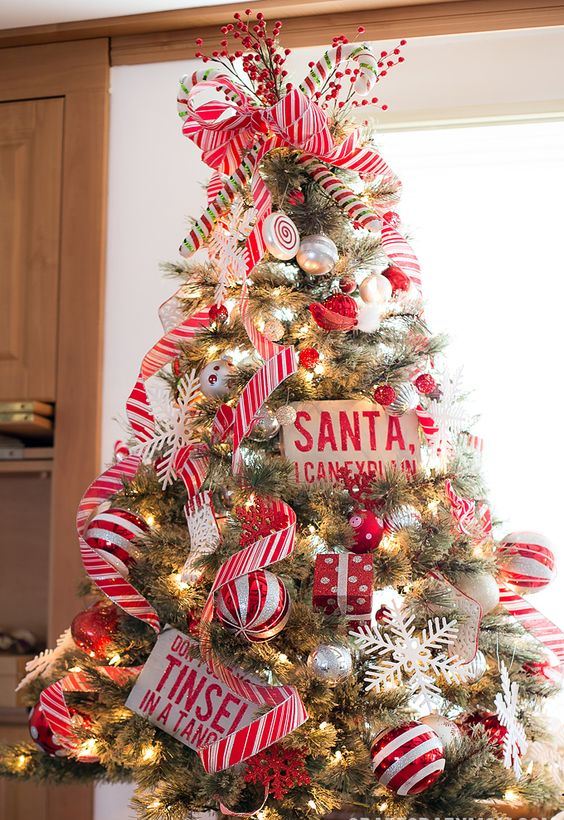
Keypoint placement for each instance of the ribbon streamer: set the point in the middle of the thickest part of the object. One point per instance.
(547, 633)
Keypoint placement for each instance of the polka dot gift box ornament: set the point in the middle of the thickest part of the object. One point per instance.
(407, 759)
(526, 561)
(368, 531)
(281, 236)
(215, 378)
(113, 533)
(343, 583)
(256, 605)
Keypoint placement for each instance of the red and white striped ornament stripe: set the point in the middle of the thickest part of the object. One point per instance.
(403, 758)
(168, 345)
(526, 561)
(537, 624)
(426, 423)
(269, 615)
(400, 252)
(139, 412)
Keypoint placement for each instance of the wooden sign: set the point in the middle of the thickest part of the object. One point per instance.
(179, 694)
(329, 435)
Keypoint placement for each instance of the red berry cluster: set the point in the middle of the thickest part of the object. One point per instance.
(262, 60)
(259, 519)
(278, 769)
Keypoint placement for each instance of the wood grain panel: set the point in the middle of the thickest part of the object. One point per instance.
(31, 139)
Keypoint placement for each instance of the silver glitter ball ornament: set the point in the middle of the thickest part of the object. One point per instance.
(286, 415)
(265, 425)
(403, 516)
(331, 663)
(317, 254)
(407, 398)
(475, 669)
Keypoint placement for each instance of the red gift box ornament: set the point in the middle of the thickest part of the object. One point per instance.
(343, 583)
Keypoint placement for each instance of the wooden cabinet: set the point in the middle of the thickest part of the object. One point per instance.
(31, 142)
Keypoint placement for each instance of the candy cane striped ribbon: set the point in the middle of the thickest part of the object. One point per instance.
(321, 72)
(139, 413)
(287, 711)
(463, 509)
(427, 423)
(399, 251)
(168, 345)
(103, 574)
(547, 633)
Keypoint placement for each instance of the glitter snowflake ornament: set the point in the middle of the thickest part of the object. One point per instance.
(515, 742)
(415, 659)
(225, 246)
(448, 414)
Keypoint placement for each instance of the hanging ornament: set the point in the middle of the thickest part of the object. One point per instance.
(375, 288)
(256, 606)
(113, 533)
(317, 254)
(260, 518)
(383, 614)
(407, 398)
(482, 587)
(331, 663)
(490, 724)
(274, 330)
(295, 197)
(216, 378)
(426, 384)
(526, 561)
(384, 394)
(308, 357)
(369, 317)
(338, 312)
(401, 517)
(448, 732)
(42, 734)
(399, 280)
(368, 531)
(265, 425)
(94, 629)
(407, 759)
(278, 769)
(476, 668)
(281, 236)
(347, 284)
(219, 313)
(286, 415)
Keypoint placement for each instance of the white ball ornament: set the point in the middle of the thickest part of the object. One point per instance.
(281, 236)
(286, 415)
(481, 587)
(407, 398)
(447, 731)
(375, 288)
(331, 663)
(215, 378)
(317, 254)
(368, 317)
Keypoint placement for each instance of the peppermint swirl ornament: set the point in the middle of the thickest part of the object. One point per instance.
(526, 561)
(281, 236)
(255, 606)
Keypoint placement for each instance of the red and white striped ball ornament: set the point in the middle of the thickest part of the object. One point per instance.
(256, 605)
(526, 561)
(407, 759)
(113, 533)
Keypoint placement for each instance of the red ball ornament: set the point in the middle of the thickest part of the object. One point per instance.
(255, 606)
(219, 313)
(347, 284)
(384, 394)
(526, 561)
(397, 278)
(308, 357)
(368, 531)
(426, 384)
(490, 724)
(42, 734)
(383, 614)
(407, 759)
(338, 312)
(94, 629)
(113, 533)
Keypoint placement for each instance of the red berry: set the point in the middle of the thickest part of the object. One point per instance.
(308, 357)
(397, 278)
(425, 383)
(218, 313)
(347, 284)
(384, 394)
(361, 29)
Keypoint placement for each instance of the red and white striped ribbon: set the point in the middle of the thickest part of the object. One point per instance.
(139, 412)
(426, 423)
(168, 345)
(286, 711)
(399, 251)
(547, 633)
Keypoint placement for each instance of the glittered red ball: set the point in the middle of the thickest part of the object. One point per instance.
(218, 313)
(255, 606)
(426, 384)
(347, 284)
(397, 278)
(407, 759)
(384, 394)
(342, 304)
(490, 724)
(368, 531)
(338, 312)
(42, 734)
(94, 629)
(308, 357)
(112, 533)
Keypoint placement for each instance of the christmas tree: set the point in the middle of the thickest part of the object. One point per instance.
(301, 604)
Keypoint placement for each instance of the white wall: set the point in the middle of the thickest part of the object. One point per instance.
(501, 309)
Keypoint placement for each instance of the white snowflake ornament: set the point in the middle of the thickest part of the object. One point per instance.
(515, 742)
(225, 249)
(418, 659)
(448, 414)
(44, 662)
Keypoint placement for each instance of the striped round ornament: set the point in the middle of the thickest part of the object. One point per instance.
(526, 561)
(407, 759)
(112, 533)
(256, 605)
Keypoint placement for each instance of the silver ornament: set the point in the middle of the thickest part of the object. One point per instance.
(274, 330)
(475, 669)
(446, 730)
(404, 516)
(407, 398)
(265, 425)
(215, 378)
(330, 663)
(281, 236)
(317, 254)
(286, 415)
(482, 587)
(375, 288)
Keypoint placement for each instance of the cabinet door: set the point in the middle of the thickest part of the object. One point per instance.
(31, 141)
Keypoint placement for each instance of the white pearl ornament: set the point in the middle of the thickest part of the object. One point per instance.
(317, 254)
(375, 288)
(482, 588)
(281, 236)
(215, 378)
